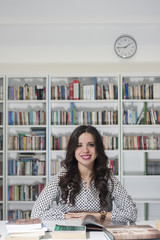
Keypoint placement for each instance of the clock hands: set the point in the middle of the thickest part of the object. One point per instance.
(125, 46)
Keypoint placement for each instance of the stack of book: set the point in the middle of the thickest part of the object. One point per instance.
(26, 229)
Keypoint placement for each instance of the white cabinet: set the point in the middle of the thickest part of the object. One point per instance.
(26, 142)
(140, 142)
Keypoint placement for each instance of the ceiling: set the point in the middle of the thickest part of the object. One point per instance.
(61, 31)
(75, 12)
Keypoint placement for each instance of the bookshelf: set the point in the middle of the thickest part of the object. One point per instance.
(120, 120)
(140, 104)
(94, 101)
(26, 144)
(2, 147)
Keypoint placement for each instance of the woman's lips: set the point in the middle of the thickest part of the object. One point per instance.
(86, 157)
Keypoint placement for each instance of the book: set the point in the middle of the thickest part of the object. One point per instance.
(92, 224)
(8, 237)
(157, 225)
(69, 232)
(121, 231)
(25, 229)
(132, 232)
(23, 224)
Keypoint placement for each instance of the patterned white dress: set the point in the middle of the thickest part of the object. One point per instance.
(124, 209)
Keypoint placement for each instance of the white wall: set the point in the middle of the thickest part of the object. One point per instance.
(77, 32)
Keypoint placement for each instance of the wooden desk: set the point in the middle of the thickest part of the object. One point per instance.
(50, 224)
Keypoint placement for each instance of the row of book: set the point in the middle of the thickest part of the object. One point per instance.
(24, 192)
(26, 143)
(26, 167)
(26, 92)
(19, 214)
(55, 166)
(141, 91)
(130, 117)
(149, 142)
(27, 118)
(1, 193)
(1, 118)
(1, 214)
(79, 91)
(153, 167)
(1, 168)
(84, 117)
(152, 116)
(61, 142)
(113, 165)
(1, 92)
(146, 117)
(1, 142)
(36, 140)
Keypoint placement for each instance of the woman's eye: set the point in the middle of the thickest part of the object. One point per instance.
(91, 144)
(79, 145)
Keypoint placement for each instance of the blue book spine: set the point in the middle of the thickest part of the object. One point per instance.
(126, 87)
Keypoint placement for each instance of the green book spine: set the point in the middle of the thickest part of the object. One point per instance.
(146, 211)
(145, 163)
(145, 113)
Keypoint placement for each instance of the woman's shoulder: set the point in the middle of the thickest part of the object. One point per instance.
(55, 179)
(113, 180)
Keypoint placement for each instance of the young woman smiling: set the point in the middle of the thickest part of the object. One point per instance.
(85, 185)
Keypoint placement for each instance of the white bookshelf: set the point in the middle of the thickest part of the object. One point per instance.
(131, 163)
(143, 188)
(2, 146)
(26, 114)
(84, 105)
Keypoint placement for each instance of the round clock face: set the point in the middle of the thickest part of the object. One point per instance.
(125, 46)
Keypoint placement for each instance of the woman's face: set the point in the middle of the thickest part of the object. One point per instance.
(85, 152)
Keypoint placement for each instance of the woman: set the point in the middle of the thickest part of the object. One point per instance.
(85, 185)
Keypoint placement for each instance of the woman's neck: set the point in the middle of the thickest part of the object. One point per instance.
(85, 173)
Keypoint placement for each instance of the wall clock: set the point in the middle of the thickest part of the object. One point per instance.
(125, 46)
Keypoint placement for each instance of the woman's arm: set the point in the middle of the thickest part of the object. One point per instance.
(82, 215)
(43, 207)
(125, 209)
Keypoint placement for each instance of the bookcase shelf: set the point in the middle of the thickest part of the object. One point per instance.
(79, 107)
(138, 162)
(2, 147)
(133, 172)
(26, 141)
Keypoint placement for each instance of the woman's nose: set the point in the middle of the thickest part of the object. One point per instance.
(85, 149)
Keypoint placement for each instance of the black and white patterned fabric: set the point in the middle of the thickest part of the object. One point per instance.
(88, 200)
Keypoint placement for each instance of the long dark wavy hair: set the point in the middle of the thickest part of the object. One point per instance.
(70, 182)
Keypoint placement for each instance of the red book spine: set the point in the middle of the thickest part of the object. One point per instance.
(71, 91)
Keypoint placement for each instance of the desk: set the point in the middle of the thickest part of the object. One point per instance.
(50, 224)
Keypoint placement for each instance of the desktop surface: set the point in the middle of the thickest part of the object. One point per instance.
(50, 224)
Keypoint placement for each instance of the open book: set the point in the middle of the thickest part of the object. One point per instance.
(121, 231)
